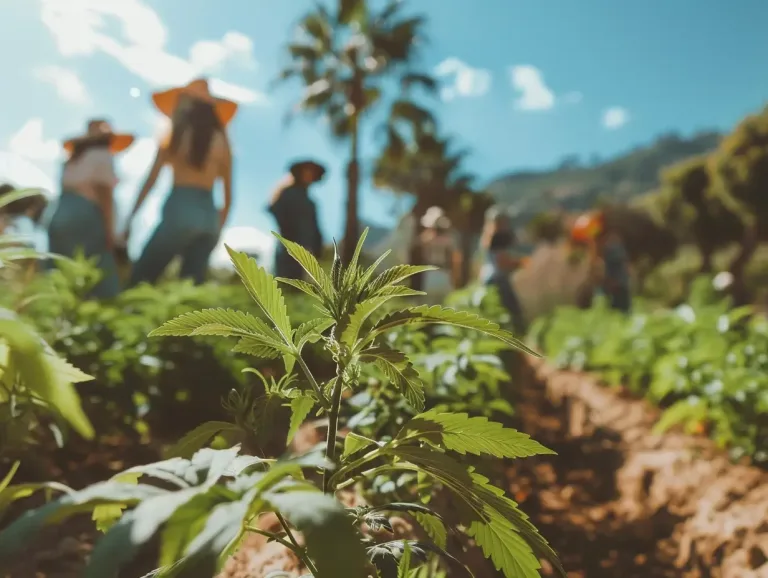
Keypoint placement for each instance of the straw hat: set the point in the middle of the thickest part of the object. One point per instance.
(99, 129)
(167, 100)
(296, 167)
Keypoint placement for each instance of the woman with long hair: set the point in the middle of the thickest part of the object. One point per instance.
(497, 240)
(84, 217)
(198, 151)
(296, 215)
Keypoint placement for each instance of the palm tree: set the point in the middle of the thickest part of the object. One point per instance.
(344, 60)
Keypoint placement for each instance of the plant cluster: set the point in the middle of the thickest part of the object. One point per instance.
(704, 362)
(200, 502)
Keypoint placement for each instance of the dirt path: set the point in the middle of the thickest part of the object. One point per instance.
(572, 499)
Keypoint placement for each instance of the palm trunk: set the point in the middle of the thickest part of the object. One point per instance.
(416, 254)
(351, 228)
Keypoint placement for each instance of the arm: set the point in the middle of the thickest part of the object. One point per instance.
(507, 261)
(154, 172)
(226, 176)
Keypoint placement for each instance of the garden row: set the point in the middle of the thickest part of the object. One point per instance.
(406, 412)
(704, 363)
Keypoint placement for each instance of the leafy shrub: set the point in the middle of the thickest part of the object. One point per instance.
(705, 363)
(211, 498)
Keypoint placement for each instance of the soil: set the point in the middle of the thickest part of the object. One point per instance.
(615, 502)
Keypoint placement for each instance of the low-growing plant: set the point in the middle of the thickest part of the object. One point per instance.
(704, 362)
(210, 499)
(36, 385)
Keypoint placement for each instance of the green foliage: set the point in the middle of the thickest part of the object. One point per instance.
(210, 498)
(703, 362)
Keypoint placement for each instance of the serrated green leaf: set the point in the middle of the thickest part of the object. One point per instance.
(218, 322)
(300, 408)
(309, 264)
(310, 331)
(437, 314)
(360, 315)
(404, 568)
(400, 371)
(263, 289)
(473, 435)
(106, 515)
(352, 269)
(434, 528)
(37, 369)
(302, 286)
(193, 440)
(257, 348)
(353, 443)
(185, 523)
(395, 275)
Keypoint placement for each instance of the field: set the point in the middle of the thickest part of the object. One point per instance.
(431, 421)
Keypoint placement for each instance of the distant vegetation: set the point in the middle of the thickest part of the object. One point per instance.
(578, 185)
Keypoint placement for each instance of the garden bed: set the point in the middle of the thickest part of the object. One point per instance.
(633, 503)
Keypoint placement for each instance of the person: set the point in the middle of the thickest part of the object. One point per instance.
(198, 152)
(84, 215)
(438, 248)
(608, 258)
(21, 219)
(498, 240)
(296, 215)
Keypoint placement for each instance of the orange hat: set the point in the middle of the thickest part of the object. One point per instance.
(167, 100)
(587, 227)
(99, 129)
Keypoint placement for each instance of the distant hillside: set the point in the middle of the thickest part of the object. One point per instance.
(577, 186)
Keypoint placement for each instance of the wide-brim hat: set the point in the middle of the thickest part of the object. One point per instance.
(98, 130)
(297, 166)
(166, 101)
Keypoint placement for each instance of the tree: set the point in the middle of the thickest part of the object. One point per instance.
(344, 59)
(691, 207)
(739, 171)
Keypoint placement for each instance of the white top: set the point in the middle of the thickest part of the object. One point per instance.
(95, 167)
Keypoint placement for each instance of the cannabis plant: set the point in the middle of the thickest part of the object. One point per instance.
(208, 500)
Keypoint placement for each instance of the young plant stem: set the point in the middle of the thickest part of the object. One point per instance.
(333, 428)
(313, 382)
(301, 554)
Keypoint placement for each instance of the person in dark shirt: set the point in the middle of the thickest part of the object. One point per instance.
(498, 241)
(296, 216)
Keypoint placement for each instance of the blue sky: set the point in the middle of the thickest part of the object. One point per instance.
(525, 83)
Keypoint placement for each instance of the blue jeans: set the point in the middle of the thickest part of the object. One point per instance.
(189, 228)
(78, 224)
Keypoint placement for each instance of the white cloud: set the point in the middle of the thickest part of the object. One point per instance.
(30, 142)
(573, 97)
(615, 117)
(246, 239)
(465, 81)
(80, 28)
(533, 93)
(66, 82)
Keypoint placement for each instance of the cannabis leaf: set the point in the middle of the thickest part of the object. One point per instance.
(474, 435)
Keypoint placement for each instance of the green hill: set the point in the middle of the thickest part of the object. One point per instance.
(575, 186)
